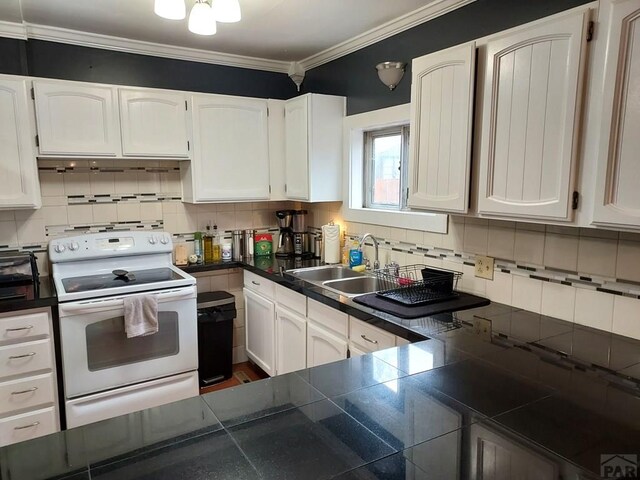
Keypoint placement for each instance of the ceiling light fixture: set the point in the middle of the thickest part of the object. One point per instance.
(170, 9)
(390, 73)
(226, 11)
(202, 20)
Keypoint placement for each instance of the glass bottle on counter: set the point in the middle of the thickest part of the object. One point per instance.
(197, 246)
(208, 245)
(216, 251)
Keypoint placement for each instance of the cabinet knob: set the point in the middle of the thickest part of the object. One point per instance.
(34, 424)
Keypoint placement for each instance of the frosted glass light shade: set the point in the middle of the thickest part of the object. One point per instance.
(390, 73)
(227, 11)
(201, 19)
(170, 9)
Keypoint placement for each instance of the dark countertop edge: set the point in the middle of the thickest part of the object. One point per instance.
(7, 306)
(319, 294)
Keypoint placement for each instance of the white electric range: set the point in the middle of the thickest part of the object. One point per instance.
(105, 373)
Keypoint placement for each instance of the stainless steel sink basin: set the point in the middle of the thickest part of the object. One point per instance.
(355, 286)
(322, 274)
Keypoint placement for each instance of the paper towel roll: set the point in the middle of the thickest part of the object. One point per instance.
(331, 239)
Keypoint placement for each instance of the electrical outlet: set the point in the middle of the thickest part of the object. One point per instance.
(484, 267)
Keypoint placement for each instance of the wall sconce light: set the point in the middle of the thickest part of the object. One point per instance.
(390, 73)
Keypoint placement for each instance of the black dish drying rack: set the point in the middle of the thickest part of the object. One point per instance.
(417, 284)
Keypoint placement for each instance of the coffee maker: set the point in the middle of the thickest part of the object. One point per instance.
(300, 236)
(285, 242)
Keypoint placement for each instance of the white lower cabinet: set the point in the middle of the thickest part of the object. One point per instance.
(260, 330)
(323, 346)
(368, 338)
(291, 341)
(355, 351)
(28, 388)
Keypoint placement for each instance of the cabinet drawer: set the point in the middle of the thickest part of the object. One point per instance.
(259, 285)
(26, 393)
(28, 425)
(369, 337)
(25, 358)
(17, 327)
(329, 317)
(294, 301)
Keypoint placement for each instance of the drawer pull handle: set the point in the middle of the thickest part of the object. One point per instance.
(28, 390)
(30, 354)
(34, 424)
(364, 337)
(19, 329)
(255, 283)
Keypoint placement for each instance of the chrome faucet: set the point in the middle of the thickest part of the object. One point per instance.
(376, 262)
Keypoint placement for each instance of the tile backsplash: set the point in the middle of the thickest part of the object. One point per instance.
(81, 196)
(588, 276)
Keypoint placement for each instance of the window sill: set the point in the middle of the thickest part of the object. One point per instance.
(430, 222)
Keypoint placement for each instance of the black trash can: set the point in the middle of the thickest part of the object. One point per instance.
(216, 311)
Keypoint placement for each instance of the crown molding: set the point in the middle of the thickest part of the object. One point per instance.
(386, 30)
(107, 42)
(13, 30)
(25, 31)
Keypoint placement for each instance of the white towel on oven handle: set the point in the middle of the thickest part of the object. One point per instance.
(140, 315)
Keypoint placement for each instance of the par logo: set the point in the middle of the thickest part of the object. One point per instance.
(619, 466)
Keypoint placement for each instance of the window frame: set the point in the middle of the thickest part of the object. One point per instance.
(353, 170)
(369, 137)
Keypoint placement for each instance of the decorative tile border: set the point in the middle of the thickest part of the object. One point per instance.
(67, 230)
(613, 286)
(98, 169)
(128, 197)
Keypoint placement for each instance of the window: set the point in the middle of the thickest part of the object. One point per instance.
(385, 166)
(357, 194)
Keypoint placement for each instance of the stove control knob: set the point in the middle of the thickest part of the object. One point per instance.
(153, 240)
(164, 240)
(59, 248)
(73, 246)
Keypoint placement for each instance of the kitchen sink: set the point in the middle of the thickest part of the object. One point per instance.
(355, 286)
(339, 279)
(322, 274)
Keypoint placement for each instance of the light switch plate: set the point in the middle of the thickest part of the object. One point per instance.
(484, 267)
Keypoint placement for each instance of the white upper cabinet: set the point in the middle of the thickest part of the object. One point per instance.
(77, 119)
(442, 88)
(530, 120)
(617, 201)
(230, 150)
(20, 187)
(153, 123)
(313, 148)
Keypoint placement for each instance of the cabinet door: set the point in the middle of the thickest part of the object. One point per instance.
(260, 323)
(75, 119)
(442, 111)
(291, 341)
(530, 120)
(231, 148)
(495, 456)
(17, 148)
(617, 194)
(323, 347)
(153, 123)
(296, 114)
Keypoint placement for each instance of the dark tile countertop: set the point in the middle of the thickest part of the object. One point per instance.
(463, 404)
(44, 295)
(505, 394)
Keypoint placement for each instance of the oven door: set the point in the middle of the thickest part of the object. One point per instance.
(97, 355)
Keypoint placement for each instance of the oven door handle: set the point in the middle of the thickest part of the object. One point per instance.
(119, 302)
